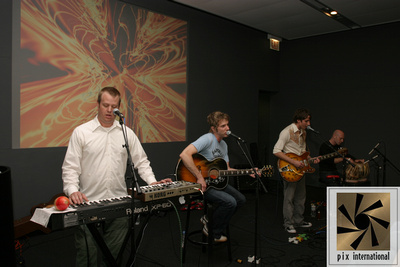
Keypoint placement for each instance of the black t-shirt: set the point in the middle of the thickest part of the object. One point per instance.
(328, 165)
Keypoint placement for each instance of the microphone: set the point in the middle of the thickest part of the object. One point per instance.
(118, 113)
(373, 159)
(312, 130)
(372, 150)
(234, 135)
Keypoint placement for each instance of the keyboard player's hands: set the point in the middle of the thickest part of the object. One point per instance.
(78, 198)
(166, 180)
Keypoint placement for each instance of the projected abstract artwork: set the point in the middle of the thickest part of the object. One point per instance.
(70, 49)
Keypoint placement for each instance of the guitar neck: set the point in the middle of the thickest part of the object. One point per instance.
(235, 172)
(330, 155)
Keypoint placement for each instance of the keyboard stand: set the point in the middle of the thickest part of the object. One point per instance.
(138, 239)
(103, 246)
(106, 251)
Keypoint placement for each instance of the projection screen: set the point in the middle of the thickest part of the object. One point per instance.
(64, 52)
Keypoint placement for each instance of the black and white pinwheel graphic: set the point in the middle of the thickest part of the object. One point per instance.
(362, 222)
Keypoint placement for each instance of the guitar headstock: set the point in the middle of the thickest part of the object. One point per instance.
(267, 171)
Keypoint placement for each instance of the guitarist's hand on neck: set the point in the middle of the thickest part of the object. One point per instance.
(315, 160)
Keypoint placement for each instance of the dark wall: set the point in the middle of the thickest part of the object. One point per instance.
(5, 73)
(228, 65)
(349, 81)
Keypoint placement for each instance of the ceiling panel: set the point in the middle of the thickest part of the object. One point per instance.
(293, 19)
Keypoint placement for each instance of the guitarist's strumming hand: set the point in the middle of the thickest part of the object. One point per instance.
(202, 182)
(187, 158)
(298, 164)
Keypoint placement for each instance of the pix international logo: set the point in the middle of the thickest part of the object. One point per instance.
(363, 221)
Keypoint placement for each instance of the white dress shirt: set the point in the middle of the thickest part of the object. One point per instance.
(291, 140)
(96, 161)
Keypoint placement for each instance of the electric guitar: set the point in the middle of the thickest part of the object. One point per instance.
(215, 172)
(292, 174)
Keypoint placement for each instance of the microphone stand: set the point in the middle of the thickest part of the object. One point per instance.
(385, 160)
(134, 185)
(378, 168)
(258, 183)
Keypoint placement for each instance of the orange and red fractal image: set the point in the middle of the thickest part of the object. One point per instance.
(71, 49)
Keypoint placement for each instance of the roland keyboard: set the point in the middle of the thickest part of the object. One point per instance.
(155, 198)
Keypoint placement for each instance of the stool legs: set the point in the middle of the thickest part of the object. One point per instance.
(228, 234)
(207, 242)
(210, 213)
(185, 238)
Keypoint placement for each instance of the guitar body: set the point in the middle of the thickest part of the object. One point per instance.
(292, 174)
(210, 170)
(215, 172)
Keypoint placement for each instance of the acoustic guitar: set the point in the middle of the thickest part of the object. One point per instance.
(215, 172)
(292, 174)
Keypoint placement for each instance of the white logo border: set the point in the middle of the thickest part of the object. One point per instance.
(334, 256)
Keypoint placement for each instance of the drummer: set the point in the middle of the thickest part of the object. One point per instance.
(328, 172)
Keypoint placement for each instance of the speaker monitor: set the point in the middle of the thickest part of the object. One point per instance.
(244, 182)
(7, 224)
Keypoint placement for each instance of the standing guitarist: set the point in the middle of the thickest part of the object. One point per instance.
(212, 146)
(292, 139)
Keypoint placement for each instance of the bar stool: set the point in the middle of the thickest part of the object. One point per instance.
(334, 179)
(206, 242)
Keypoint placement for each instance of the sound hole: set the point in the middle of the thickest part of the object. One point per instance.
(214, 173)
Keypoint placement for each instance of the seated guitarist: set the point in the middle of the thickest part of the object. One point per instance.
(211, 146)
(292, 139)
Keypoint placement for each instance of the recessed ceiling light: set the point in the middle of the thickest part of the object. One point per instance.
(330, 12)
